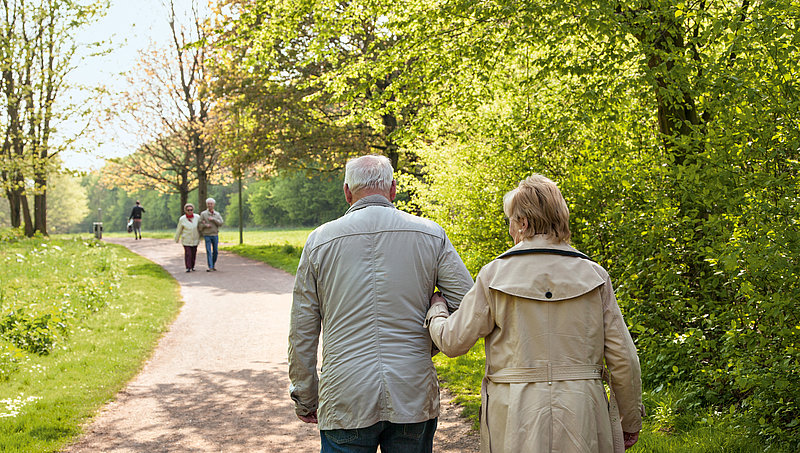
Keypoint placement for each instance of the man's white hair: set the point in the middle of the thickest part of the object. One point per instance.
(369, 172)
(211, 200)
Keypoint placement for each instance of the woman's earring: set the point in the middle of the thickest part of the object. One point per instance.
(520, 231)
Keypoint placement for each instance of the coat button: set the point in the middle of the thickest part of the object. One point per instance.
(548, 295)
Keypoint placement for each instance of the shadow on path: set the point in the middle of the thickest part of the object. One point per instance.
(234, 411)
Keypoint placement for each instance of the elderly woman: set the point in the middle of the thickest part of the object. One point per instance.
(188, 235)
(550, 322)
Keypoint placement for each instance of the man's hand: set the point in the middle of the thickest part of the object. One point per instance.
(312, 418)
(630, 439)
(437, 298)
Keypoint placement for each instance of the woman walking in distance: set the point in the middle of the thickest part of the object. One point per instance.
(187, 234)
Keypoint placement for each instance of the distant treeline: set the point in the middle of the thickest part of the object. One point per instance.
(290, 199)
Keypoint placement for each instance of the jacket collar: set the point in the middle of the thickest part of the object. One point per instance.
(370, 200)
(540, 241)
(546, 279)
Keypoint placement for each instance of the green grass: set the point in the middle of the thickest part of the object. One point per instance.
(98, 308)
(278, 248)
(292, 236)
(462, 376)
(284, 257)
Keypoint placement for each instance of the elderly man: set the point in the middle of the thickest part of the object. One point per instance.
(365, 280)
(210, 221)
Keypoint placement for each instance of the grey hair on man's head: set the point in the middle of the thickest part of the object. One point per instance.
(210, 200)
(369, 172)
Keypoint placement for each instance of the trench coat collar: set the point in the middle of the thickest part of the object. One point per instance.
(541, 241)
(545, 279)
(370, 200)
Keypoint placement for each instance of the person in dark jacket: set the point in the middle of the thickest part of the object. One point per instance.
(136, 215)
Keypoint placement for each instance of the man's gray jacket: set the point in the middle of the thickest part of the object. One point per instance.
(365, 281)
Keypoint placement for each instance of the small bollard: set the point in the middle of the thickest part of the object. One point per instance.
(98, 229)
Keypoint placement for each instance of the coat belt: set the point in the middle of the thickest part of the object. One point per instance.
(552, 373)
(549, 374)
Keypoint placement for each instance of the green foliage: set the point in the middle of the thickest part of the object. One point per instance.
(39, 49)
(296, 199)
(9, 235)
(695, 221)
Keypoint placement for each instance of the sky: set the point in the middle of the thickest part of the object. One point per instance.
(130, 26)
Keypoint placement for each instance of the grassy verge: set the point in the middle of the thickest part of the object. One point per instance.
(278, 248)
(284, 257)
(78, 319)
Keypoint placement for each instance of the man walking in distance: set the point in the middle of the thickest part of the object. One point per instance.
(365, 281)
(136, 215)
(210, 221)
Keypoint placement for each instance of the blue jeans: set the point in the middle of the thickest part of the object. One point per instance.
(392, 437)
(212, 243)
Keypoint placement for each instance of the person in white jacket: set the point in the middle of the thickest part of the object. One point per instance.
(188, 235)
(363, 282)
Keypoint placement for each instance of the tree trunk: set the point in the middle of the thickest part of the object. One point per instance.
(678, 122)
(26, 216)
(40, 206)
(677, 113)
(202, 188)
(184, 199)
(14, 208)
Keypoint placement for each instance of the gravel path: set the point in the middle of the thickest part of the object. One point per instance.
(217, 381)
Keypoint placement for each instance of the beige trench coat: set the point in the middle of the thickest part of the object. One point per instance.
(550, 323)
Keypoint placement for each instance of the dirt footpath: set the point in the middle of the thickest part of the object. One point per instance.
(218, 380)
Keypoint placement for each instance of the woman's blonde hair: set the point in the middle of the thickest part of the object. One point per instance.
(538, 199)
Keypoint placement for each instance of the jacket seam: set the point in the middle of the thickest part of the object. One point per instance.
(375, 328)
(365, 233)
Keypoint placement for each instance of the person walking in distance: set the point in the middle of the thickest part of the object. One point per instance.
(364, 281)
(136, 215)
(210, 221)
(186, 233)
